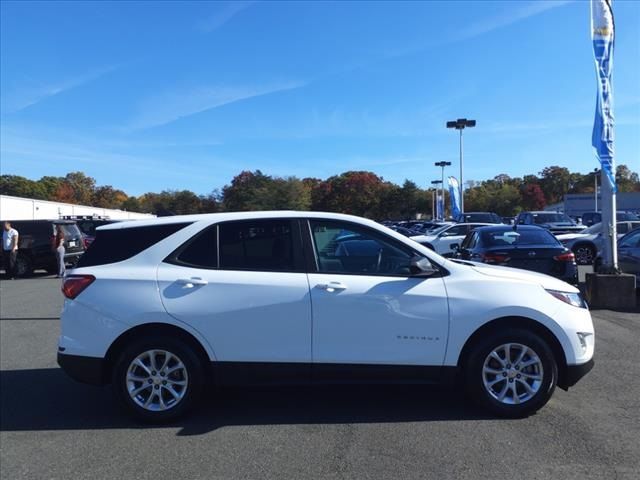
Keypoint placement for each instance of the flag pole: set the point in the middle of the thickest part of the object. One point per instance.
(603, 37)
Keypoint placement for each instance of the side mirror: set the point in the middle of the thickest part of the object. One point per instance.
(421, 267)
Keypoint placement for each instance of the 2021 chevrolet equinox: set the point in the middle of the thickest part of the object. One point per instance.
(158, 308)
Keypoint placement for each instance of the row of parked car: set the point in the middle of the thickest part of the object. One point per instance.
(37, 239)
(546, 242)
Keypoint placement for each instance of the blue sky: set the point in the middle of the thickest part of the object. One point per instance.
(163, 95)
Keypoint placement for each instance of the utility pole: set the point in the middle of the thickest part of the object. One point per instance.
(437, 182)
(442, 165)
(460, 124)
(595, 190)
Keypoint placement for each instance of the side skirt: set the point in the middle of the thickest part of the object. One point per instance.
(271, 373)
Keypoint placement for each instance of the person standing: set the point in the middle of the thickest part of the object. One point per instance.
(9, 249)
(60, 251)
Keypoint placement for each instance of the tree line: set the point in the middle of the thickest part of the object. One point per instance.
(357, 192)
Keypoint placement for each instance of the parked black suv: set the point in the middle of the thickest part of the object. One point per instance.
(36, 244)
(88, 228)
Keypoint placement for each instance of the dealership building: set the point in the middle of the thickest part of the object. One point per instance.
(17, 208)
(575, 204)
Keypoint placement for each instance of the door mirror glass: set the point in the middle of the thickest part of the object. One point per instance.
(421, 267)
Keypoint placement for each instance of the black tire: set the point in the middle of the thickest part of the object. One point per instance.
(585, 254)
(194, 373)
(475, 379)
(24, 265)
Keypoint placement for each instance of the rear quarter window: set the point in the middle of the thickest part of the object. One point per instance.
(111, 246)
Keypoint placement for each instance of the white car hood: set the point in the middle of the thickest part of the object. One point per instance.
(546, 281)
(571, 236)
(423, 238)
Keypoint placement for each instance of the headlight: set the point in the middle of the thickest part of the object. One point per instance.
(574, 299)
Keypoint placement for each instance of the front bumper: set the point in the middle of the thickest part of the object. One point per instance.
(83, 369)
(574, 373)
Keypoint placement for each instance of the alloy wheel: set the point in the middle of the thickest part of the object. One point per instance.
(157, 380)
(512, 373)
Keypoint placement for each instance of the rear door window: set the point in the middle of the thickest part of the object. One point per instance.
(259, 245)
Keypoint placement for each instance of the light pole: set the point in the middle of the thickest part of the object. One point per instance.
(595, 191)
(436, 182)
(461, 124)
(442, 164)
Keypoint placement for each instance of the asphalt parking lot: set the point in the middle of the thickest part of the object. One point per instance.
(54, 428)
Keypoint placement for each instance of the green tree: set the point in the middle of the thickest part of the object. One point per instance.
(18, 186)
(626, 180)
(82, 186)
(555, 183)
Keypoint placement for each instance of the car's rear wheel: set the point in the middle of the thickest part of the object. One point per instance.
(585, 254)
(158, 379)
(511, 373)
(24, 265)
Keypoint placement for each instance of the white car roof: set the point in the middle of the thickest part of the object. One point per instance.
(226, 216)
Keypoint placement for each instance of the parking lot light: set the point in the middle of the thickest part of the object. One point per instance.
(460, 124)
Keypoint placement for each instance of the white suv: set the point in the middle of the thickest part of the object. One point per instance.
(161, 307)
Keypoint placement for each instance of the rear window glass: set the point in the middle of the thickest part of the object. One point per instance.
(111, 246)
(70, 230)
(519, 237)
(551, 218)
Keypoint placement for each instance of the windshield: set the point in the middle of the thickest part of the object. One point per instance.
(436, 231)
(539, 218)
(593, 229)
(518, 237)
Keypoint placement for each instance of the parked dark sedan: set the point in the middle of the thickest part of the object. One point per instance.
(527, 247)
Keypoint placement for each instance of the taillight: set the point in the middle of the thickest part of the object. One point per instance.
(74, 285)
(565, 257)
(492, 257)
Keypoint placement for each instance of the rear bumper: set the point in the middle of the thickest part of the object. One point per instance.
(574, 373)
(72, 258)
(83, 369)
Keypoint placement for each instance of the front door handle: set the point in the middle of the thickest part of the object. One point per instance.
(332, 286)
(192, 282)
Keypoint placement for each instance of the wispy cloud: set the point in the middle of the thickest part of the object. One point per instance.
(512, 15)
(15, 100)
(59, 151)
(222, 16)
(170, 106)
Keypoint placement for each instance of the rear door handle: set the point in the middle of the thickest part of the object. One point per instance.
(191, 282)
(332, 286)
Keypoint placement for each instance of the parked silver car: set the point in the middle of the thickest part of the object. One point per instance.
(587, 244)
(629, 254)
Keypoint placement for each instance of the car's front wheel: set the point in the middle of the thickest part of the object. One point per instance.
(512, 373)
(158, 379)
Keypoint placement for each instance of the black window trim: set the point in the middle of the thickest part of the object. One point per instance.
(172, 258)
(298, 255)
(313, 266)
